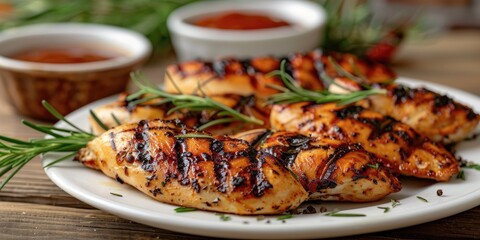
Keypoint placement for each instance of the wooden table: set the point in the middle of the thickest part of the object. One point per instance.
(31, 206)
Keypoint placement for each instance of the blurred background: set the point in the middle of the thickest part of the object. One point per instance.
(434, 40)
(354, 26)
(431, 40)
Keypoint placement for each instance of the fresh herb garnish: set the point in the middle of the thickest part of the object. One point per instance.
(116, 194)
(292, 92)
(385, 209)
(98, 121)
(473, 166)
(423, 199)
(374, 166)
(293, 173)
(468, 164)
(149, 91)
(184, 209)
(338, 214)
(351, 27)
(193, 135)
(394, 202)
(117, 121)
(14, 153)
(224, 217)
(286, 216)
(343, 72)
(461, 175)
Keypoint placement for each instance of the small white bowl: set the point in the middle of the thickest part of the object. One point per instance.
(193, 42)
(71, 85)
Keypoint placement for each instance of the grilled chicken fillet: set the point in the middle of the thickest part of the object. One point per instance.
(249, 76)
(397, 146)
(437, 116)
(432, 114)
(122, 111)
(218, 174)
(328, 169)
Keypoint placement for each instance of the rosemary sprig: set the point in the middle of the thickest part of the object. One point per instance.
(353, 26)
(117, 121)
(293, 93)
(385, 209)
(116, 194)
(285, 216)
(184, 209)
(193, 135)
(186, 101)
(473, 166)
(394, 202)
(338, 214)
(343, 72)
(98, 121)
(422, 199)
(14, 153)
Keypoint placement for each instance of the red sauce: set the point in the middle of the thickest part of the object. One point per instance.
(240, 21)
(63, 55)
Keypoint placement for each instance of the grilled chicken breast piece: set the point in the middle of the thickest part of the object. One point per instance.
(329, 170)
(437, 116)
(217, 174)
(250, 76)
(397, 146)
(121, 111)
(371, 72)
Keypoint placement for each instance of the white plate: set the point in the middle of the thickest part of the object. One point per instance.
(94, 188)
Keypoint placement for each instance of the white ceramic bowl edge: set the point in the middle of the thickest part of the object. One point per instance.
(192, 42)
(133, 47)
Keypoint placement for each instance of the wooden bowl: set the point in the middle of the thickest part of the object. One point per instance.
(67, 86)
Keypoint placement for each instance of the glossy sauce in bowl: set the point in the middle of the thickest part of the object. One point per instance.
(287, 26)
(64, 55)
(66, 64)
(240, 21)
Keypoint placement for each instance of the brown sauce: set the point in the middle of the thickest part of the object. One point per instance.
(63, 55)
(240, 21)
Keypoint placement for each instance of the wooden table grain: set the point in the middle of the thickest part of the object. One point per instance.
(32, 207)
